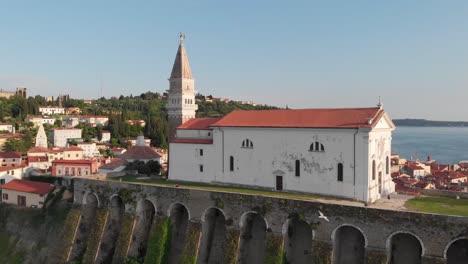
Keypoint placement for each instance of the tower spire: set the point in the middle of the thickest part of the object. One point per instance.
(181, 67)
(181, 95)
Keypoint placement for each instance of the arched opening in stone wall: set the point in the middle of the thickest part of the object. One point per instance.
(88, 214)
(298, 241)
(213, 237)
(111, 231)
(349, 245)
(144, 220)
(405, 248)
(457, 252)
(252, 238)
(179, 219)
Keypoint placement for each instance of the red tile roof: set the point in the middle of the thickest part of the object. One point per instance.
(414, 167)
(38, 150)
(304, 118)
(199, 123)
(10, 155)
(7, 136)
(114, 164)
(73, 148)
(192, 141)
(28, 186)
(140, 152)
(86, 162)
(7, 168)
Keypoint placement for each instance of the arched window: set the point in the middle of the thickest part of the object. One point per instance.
(373, 169)
(298, 168)
(247, 143)
(231, 163)
(317, 146)
(340, 172)
(387, 165)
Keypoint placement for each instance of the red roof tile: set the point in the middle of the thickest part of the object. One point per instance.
(38, 150)
(199, 123)
(304, 118)
(87, 162)
(192, 141)
(114, 164)
(10, 155)
(73, 148)
(28, 186)
(7, 136)
(140, 152)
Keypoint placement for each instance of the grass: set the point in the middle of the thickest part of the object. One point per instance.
(438, 205)
(217, 188)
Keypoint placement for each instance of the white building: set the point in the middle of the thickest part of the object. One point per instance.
(89, 149)
(38, 120)
(52, 110)
(94, 120)
(59, 136)
(333, 152)
(7, 127)
(106, 136)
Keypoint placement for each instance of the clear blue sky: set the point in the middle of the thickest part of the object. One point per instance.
(304, 54)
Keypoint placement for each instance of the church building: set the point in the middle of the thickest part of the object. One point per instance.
(340, 152)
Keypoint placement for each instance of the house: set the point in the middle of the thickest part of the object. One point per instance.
(73, 153)
(141, 152)
(25, 193)
(7, 127)
(415, 170)
(8, 173)
(60, 136)
(94, 120)
(106, 136)
(74, 167)
(11, 158)
(89, 149)
(72, 111)
(52, 110)
(118, 151)
(113, 165)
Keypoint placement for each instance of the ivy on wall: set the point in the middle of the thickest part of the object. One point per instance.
(69, 228)
(159, 242)
(189, 254)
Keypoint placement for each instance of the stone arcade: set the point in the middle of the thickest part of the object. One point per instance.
(215, 227)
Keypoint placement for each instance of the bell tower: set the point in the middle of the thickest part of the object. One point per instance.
(181, 94)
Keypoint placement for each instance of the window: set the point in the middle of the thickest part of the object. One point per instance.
(231, 163)
(298, 168)
(76, 155)
(340, 172)
(317, 146)
(5, 196)
(373, 169)
(247, 143)
(209, 133)
(201, 152)
(201, 168)
(387, 164)
(2, 181)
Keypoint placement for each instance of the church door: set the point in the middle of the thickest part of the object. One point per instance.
(279, 183)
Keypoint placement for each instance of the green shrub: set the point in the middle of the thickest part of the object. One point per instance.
(189, 254)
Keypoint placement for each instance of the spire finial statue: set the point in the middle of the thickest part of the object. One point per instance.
(181, 38)
(379, 105)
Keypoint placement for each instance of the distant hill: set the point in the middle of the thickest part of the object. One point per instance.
(425, 123)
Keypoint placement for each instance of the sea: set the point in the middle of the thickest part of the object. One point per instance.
(447, 145)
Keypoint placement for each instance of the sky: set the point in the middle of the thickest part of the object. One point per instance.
(300, 54)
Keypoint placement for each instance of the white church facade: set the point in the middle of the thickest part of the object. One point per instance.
(340, 152)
